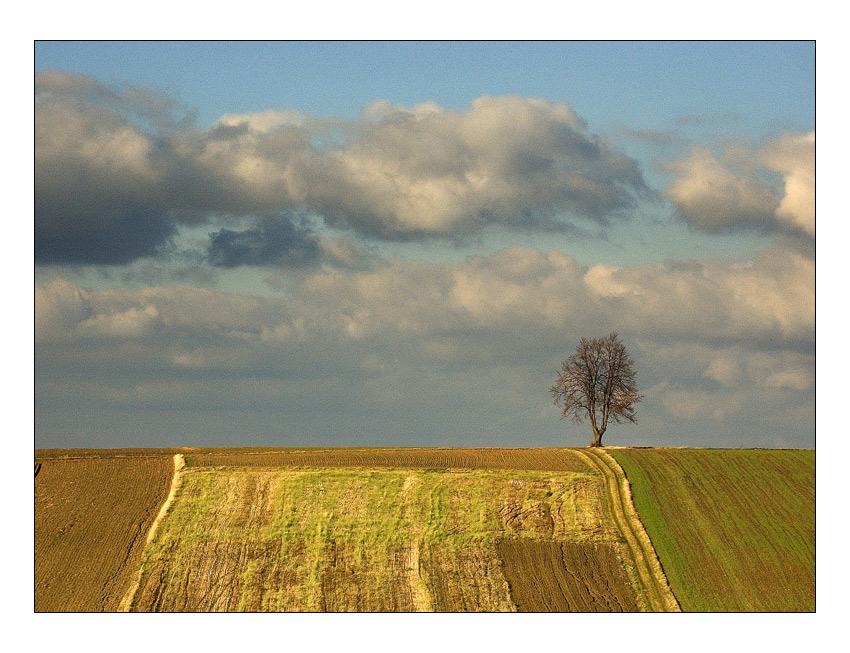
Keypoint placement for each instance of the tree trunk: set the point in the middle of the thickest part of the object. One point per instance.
(597, 436)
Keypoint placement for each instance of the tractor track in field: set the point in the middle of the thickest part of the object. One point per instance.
(656, 592)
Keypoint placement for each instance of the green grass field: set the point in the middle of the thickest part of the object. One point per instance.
(734, 529)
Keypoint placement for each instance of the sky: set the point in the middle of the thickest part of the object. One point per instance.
(397, 243)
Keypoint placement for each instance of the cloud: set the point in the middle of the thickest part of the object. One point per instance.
(275, 240)
(717, 195)
(266, 121)
(652, 136)
(736, 367)
(519, 292)
(713, 198)
(68, 83)
(59, 307)
(731, 388)
(794, 379)
(724, 370)
(116, 172)
(516, 161)
(693, 403)
(793, 156)
(97, 186)
(770, 298)
(713, 341)
(133, 323)
(708, 119)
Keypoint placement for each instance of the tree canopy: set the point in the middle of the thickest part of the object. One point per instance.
(598, 383)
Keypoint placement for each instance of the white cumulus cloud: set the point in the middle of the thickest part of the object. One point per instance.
(730, 192)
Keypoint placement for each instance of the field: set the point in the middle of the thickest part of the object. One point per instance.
(396, 457)
(357, 539)
(414, 529)
(92, 514)
(734, 530)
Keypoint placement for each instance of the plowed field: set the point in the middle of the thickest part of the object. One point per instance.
(547, 576)
(355, 539)
(92, 514)
(449, 458)
(734, 529)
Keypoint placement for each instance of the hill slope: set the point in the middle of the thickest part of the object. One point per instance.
(734, 529)
(426, 529)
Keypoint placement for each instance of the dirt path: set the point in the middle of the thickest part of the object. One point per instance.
(656, 595)
(419, 591)
(176, 481)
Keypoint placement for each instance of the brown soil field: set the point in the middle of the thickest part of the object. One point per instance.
(92, 513)
(138, 452)
(466, 578)
(546, 576)
(398, 457)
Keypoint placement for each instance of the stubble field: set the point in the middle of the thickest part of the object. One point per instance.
(387, 539)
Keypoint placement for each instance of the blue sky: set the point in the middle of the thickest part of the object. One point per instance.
(227, 231)
(647, 85)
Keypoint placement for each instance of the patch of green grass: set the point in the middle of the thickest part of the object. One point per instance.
(733, 529)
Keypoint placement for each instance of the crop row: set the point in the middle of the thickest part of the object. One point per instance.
(91, 518)
(733, 529)
(421, 458)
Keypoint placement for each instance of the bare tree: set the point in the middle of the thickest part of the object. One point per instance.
(598, 382)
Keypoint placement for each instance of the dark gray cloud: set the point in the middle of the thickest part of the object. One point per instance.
(116, 173)
(274, 240)
(101, 237)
